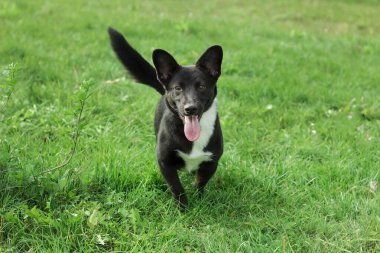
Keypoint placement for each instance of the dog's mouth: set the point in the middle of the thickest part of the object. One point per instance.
(192, 128)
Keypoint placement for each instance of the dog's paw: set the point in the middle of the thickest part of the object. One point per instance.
(199, 190)
(182, 201)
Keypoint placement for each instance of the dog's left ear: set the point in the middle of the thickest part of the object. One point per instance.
(211, 61)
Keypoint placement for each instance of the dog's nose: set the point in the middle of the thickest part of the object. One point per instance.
(190, 109)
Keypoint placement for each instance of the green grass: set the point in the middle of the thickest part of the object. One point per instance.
(299, 101)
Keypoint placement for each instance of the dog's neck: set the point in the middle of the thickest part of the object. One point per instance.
(171, 106)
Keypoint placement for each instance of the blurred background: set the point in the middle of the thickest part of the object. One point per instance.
(299, 102)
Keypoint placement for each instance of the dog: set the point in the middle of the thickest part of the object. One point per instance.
(186, 122)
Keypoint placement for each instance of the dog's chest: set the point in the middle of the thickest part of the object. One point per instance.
(197, 154)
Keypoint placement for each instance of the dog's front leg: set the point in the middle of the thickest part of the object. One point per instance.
(204, 174)
(171, 176)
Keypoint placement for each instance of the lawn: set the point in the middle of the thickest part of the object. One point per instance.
(299, 102)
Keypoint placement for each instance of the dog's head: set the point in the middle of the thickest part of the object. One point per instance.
(190, 90)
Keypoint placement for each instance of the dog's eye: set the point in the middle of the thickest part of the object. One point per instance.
(202, 87)
(178, 88)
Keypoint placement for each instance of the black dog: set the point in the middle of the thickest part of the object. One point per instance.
(186, 124)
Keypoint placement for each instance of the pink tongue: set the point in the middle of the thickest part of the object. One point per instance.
(192, 128)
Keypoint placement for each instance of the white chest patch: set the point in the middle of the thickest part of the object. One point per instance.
(197, 155)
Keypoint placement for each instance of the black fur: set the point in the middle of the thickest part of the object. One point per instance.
(187, 91)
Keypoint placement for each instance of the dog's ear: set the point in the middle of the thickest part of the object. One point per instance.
(211, 61)
(165, 65)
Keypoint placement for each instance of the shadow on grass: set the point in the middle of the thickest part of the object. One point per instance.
(236, 199)
(229, 198)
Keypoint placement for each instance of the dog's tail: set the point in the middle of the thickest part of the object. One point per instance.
(136, 65)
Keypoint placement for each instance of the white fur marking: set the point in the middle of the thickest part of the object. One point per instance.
(197, 155)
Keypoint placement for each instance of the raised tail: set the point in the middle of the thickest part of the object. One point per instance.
(136, 65)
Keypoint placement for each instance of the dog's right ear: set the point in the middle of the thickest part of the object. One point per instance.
(165, 65)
